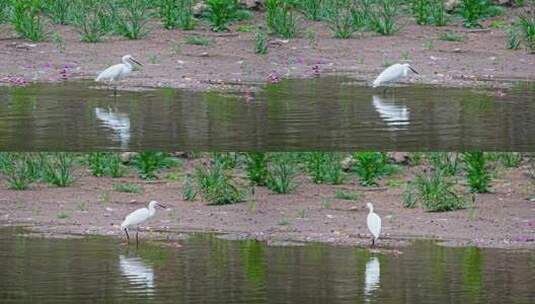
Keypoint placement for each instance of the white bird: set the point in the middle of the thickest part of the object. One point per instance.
(137, 217)
(393, 73)
(374, 223)
(118, 71)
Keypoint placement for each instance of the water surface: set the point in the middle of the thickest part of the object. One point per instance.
(326, 113)
(210, 270)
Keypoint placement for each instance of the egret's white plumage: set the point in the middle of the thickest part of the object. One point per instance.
(393, 73)
(374, 223)
(118, 71)
(139, 216)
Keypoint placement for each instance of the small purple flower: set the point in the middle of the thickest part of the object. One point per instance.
(15, 80)
(273, 77)
(64, 74)
(316, 70)
(525, 238)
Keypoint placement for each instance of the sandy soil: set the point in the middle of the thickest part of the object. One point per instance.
(229, 59)
(504, 218)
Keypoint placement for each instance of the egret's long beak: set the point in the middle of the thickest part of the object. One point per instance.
(414, 70)
(135, 61)
(162, 206)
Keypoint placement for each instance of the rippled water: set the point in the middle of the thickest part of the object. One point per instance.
(326, 113)
(210, 270)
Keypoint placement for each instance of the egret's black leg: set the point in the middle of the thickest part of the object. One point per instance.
(373, 242)
(127, 236)
(137, 239)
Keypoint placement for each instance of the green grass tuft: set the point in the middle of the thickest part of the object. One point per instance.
(128, 188)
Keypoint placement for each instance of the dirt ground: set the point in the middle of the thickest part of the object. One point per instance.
(504, 218)
(480, 60)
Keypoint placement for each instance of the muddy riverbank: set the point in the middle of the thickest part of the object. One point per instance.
(228, 59)
(504, 218)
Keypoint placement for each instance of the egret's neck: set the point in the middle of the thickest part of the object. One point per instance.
(152, 210)
(371, 209)
(129, 65)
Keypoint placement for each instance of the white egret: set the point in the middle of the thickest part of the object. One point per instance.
(118, 71)
(393, 73)
(137, 217)
(374, 223)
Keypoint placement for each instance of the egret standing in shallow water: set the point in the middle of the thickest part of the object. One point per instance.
(118, 71)
(393, 73)
(137, 217)
(374, 223)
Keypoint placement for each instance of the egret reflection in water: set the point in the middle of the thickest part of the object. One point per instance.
(396, 116)
(118, 122)
(138, 273)
(372, 277)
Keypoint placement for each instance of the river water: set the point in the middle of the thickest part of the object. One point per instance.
(207, 269)
(330, 113)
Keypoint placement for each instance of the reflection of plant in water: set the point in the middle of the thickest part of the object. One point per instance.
(219, 106)
(252, 253)
(156, 255)
(438, 264)
(317, 253)
(472, 267)
(475, 104)
(219, 260)
(21, 101)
